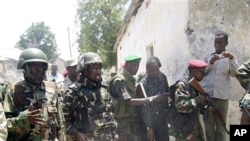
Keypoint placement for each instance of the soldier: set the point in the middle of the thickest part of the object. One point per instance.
(243, 76)
(185, 125)
(3, 121)
(71, 77)
(122, 89)
(38, 113)
(82, 103)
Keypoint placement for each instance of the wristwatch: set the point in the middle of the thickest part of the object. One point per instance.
(150, 99)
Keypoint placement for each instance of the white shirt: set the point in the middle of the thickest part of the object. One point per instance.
(217, 79)
(58, 77)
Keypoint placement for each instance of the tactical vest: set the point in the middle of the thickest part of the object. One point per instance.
(84, 120)
(121, 108)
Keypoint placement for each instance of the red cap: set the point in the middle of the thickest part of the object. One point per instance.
(65, 73)
(197, 64)
(123, 64)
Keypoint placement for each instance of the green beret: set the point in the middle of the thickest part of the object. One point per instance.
(132, 58)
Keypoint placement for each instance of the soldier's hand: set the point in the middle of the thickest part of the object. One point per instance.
(201, 99)
(81, 137)
(34, 116)
(150, 134)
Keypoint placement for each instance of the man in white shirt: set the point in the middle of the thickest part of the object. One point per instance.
(54, 75)
(221, 65)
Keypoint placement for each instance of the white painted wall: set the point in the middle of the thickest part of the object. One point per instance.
(163, 24)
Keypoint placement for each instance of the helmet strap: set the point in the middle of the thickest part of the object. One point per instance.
(27, 73)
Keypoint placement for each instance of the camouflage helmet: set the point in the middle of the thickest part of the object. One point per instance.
(87, 59)
(31, 55)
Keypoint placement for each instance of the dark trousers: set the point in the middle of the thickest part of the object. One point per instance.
(160, 126)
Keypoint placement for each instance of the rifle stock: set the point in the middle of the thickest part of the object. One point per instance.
(193, 82)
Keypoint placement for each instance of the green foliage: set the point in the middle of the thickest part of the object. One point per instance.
(100, 21)
(39, 36)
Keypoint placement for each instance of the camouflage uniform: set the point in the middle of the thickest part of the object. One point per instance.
(63, 85)
(3, 121)
(42, 96)
(45, 98)
(83, 106)
(187, 105)
(3, 89)
(243, 76)
(123, 85)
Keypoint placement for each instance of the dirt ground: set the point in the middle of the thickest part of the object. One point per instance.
(234, 115)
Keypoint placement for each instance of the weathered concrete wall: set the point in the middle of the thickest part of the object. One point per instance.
(180, 30)
(160, 24)
(209, 16)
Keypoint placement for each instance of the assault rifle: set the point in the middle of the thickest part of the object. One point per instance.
(193, 82)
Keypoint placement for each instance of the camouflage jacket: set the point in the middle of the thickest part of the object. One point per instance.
(243, 75)
(3, 89)
(45, 98)
(122, 88)
(188, 109)
(3, 122)
(83, 107)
